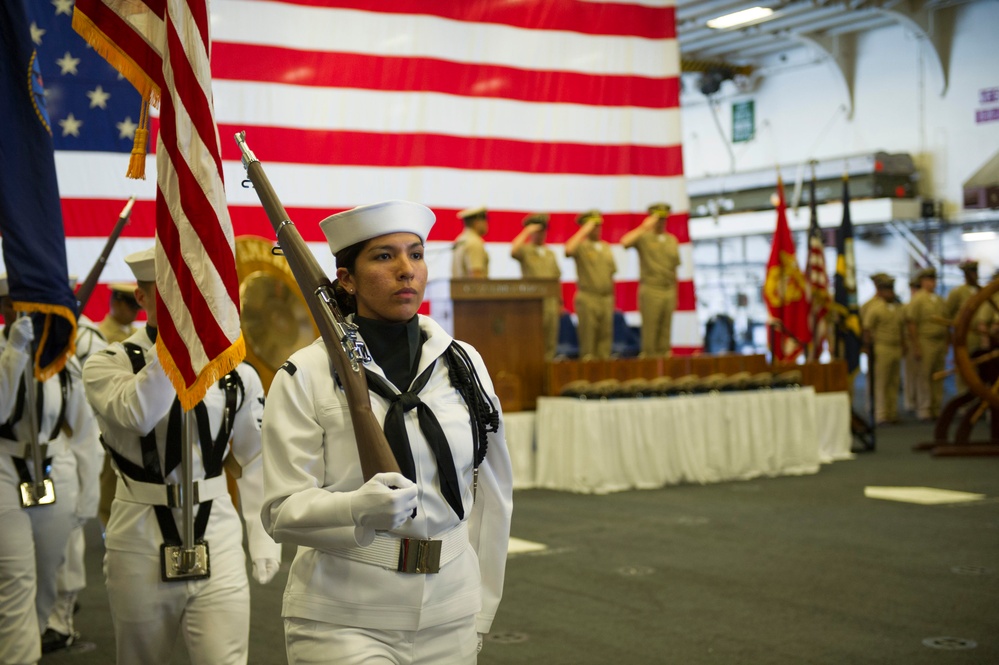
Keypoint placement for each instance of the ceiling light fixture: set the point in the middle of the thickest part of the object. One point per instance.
(975, 236)
(740, 18)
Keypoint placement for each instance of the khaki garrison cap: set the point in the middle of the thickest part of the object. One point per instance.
(539, 218)
(968, 265)
(468, 214)
(883, 280)
(927, 273)
(661, 209)
(589, 215)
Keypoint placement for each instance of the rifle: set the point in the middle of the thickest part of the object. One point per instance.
(87, 288)
(339, 336)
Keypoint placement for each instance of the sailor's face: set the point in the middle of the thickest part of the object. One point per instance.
(389, 278)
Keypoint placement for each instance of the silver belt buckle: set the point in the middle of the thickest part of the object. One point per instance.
(419, 556)
(175, 495)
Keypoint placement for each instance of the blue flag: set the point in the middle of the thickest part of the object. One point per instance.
(34, 244)
(848, 334)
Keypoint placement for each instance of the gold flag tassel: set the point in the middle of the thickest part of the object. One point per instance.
(137, 162)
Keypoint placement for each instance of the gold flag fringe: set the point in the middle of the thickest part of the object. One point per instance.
(135, 74)
(47, 372)
(210, 374)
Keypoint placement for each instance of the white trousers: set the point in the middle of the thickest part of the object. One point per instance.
(149, 615)
(70, 580)
(32, 545)
(317, 643)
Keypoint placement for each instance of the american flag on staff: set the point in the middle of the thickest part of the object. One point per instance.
(534, 106)
(818, 279)
(163, 49)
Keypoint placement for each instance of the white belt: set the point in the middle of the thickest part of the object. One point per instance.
(410, 555)
(19, 448)
(155, 494)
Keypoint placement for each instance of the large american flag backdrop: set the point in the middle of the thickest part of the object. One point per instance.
(533, 106)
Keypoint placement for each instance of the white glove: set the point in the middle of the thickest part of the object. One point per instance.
(264, 570)
(22, 333)
(385, 502)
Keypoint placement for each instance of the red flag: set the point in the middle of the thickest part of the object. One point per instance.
(785, 291)
(162, 47)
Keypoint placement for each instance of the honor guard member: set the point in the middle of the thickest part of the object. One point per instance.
(927, 329)
(118, 326)
(909, 363)
(537, 261)
(884, 333)
(72, 576)
(470, 257)
(357, 591)
(35, 522)
(658, 258)
(955, 301)
(594, 301)
(140, 418)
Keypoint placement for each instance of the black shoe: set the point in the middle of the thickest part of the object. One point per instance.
(54, 641)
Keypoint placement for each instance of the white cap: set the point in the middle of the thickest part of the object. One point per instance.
(143, 264)
(377, 219)
(4, 289)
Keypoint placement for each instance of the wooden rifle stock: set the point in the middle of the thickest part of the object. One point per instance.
(372, 446)
(87, 288)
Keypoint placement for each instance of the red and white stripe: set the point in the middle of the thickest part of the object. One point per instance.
(522, 107)
(198, 306)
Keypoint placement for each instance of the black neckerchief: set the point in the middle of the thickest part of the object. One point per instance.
(394, 346)
(151, 333)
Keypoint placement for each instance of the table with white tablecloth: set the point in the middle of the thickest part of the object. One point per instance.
(600, 446)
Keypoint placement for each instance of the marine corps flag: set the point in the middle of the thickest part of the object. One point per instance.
(163, 47)
(848, 333)
(34, 245)
(785, 291)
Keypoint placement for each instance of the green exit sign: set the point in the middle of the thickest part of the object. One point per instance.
(743, 121)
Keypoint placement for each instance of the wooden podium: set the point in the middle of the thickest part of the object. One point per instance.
(501, 318)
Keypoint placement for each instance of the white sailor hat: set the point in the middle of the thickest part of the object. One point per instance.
(376, 219)
(4, 289)
(143, 264)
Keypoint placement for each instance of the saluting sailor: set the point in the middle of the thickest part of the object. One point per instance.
(595, 268)
(34, 534)
(403, 568)
(140, 416)
(537, 261)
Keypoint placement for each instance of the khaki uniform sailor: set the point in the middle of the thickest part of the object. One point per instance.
(928, 336)
(537, 261)
(909, 362)
(884, 332)
(594, 301)
(34, 538)
(140, 419)
(118, 325)
(470, 257)
(658, 258)
(955, 301)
